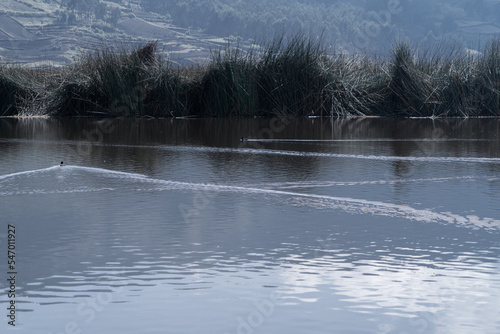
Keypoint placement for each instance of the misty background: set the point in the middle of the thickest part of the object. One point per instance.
(58, 31)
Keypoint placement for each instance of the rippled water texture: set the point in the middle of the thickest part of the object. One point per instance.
(305, 226)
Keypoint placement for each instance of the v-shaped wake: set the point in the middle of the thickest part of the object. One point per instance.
(142, 183)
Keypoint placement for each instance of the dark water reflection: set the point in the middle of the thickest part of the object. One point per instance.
(310, 226)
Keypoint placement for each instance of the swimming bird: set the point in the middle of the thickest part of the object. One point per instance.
(243, 139)
(62, 164)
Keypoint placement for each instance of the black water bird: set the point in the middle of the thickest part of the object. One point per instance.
(62, 163)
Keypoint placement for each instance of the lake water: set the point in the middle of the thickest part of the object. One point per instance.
(309, 226)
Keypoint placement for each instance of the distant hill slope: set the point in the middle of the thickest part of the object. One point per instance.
(37, 33)
(57, 31)
(11, 29)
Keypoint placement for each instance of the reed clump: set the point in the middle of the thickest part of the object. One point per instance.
(355, 86)
(293, 76)
(14, 87)
(228, 85)
(486, 83)
(290, 78)
(444, 84)
(108, 82)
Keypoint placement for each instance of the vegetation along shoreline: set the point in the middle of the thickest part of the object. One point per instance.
(291, 76)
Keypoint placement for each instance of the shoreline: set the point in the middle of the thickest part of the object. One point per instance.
(241, 117)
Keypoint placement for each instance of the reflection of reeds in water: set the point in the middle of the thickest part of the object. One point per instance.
(290, 76)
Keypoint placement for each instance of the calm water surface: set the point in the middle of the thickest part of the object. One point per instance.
(309, 226)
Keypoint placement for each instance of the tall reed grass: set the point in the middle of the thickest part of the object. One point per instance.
(228, 85)
(292, 76)
(13, 90)
(108, 82)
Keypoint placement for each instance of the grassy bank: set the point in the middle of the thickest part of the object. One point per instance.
(290, 76)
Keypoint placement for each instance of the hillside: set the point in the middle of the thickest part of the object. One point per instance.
(58, 31)
(48, 32)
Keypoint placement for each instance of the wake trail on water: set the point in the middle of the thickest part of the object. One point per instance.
(315, 154)
(143, 183)
(364, 140)
(50, 192)
(29, 172)
(352, 205)
(68, 167)
(258, 151)
(58, 180)
(355, 156)
(320, 184)
(323, 155)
